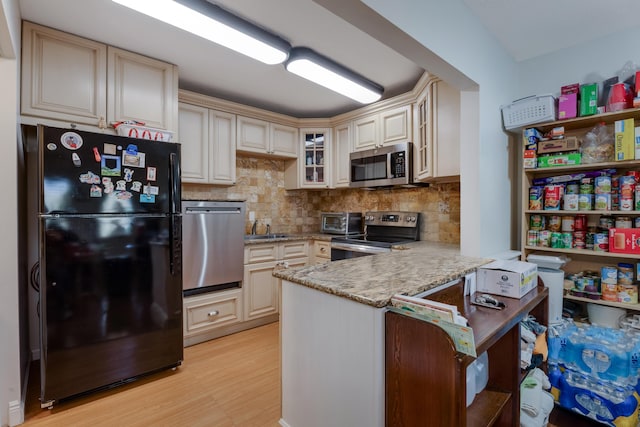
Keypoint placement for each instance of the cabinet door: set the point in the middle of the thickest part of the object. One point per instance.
(284, 140)
(142, 89)
(423, 144)
(446, 150)
(253, 135)
(315, 158)
(294, 249)
(365, 132)
(395, 125)
(222, 160)
(193, 122)
(203, 313)
(260, 290)
(341, 149)
(321, 251)
(64, 77)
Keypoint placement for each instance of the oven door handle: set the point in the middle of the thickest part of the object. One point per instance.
(359, 248)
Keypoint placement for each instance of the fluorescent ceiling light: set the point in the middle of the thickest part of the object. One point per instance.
(323, 71)
(217, 25)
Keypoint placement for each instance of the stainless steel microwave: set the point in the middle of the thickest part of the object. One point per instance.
(384, 166)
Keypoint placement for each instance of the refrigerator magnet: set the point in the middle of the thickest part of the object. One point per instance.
(128, 174)
(151, 173)
(136, 186)
(96, 154)
(121, 185)
(110, 166)
(52, 147)
(147, 198)
(89, 178)
(151, 189)
(96, 191)
(109, 149)
(123, 195)
(133, 160)
(76, 160)
(71, 140)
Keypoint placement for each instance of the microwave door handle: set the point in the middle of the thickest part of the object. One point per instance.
(389, 165)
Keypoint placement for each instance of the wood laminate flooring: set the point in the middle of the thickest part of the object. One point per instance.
(233, 381)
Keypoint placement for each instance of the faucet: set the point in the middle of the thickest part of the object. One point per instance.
(268, 229)
(254, 226)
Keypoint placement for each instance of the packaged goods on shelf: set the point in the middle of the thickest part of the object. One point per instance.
(567, 106)
(624, 240)
(507, 278)
(624, 139)
(529, 159)
(558, 145)
(588, 99)
(572, 177)
(559, 160)
(637, 142)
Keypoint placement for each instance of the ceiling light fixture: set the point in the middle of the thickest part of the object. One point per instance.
(217, 25)
(323, 71)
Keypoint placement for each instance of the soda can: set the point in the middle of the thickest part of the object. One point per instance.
(533, 238)
(585, 202)
(536, 196)
(537, 222)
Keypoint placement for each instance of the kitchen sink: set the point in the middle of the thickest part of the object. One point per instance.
(264, 236)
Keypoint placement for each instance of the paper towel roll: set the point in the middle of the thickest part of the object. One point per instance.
(554, 280)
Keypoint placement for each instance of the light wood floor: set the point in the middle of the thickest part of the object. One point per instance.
(233, 381)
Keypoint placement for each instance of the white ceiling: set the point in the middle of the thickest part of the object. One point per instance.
(526, 29)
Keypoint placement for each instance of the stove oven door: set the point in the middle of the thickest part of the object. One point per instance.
(341, 250)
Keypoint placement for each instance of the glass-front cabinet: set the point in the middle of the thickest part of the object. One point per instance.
(316, 156)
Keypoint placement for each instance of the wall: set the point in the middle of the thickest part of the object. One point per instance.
(260, 182)
(11, 356)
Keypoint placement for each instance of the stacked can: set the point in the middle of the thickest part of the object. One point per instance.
(602, 190)
(627, 192)
(627, 290)
(580, 231)
(609, 283)
(571, 197)
(585, 195)
(553, 196)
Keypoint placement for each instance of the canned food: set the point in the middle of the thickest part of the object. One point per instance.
(601, 242)
(628, 294)
(571, 202)
(552, 196)
(636, 222)
(625, 273)
(602, 202)
(568, 223)
(637, 198)
(634, 174)
(556, 240)
(609, 274)
(544, 238)
(536, 195)
(602, 185)
(580, 223)
(606, 222)
(533, 238)
(579, 239)
(586, 186)
(588, 240)
(572, 188)
(585, 202)
(609, 292)
(555, 222)
(567, 240)
(624, 222)
(615, 201)
(537, 222)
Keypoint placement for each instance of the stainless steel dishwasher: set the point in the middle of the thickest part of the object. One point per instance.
(212, 245)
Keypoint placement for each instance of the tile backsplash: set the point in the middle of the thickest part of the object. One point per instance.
(260, 183)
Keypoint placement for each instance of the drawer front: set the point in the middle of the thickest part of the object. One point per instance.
(260, 253)
(205, 312)
(322, 249)
(295, 249)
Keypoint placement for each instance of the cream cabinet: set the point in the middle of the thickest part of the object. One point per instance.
(261, 289)
(437, 133)
(321, 251)
(71, 79)
(313, 166)
(266, 138)
(203, 313)
(340, 149)
(208, 145)
(391, 126)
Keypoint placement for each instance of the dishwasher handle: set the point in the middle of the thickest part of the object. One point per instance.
(213, 210)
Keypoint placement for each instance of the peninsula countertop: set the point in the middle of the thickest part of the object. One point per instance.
(374, 279)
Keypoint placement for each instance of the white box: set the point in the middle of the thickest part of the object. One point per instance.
(507, 278)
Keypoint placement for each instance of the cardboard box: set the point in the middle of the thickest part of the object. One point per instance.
(637, 143)
(624, 139)
(569, 143)
(567, 106)
(624, 240)
(507, 278)
(559, 160)
(589, 99)
(529, 160)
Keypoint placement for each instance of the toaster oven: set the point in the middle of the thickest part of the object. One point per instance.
(342, 223)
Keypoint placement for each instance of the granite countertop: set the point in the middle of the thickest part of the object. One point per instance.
(289, 237)
(374, 279)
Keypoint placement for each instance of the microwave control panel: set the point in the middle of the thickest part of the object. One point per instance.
(398, 164)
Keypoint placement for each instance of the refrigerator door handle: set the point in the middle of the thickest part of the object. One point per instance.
(174, 177)
(175, 245)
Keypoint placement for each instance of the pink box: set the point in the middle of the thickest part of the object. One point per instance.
(568, 106)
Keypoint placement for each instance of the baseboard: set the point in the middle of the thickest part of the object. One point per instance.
(283, 423)
(16, 413)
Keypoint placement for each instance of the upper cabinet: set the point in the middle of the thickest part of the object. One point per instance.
(341, 148)
(437, 133)
(388, 127)
(265, 138)
(313, 167)
(208, 145)
(75, 80)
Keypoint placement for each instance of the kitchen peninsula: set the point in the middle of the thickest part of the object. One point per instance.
(332, 330)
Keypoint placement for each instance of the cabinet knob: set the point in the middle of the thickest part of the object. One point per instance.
(323, 249)
(213, 313)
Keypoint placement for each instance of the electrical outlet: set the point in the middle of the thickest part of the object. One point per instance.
(252, 216)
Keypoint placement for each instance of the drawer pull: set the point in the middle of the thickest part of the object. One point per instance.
(213, 313)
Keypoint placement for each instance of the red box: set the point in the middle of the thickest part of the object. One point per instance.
(572, 88)
(624, 240)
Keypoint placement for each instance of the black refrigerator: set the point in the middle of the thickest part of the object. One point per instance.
(110, 260)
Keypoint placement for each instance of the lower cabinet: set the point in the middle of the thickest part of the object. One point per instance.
(321, 251)
(208, 311)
